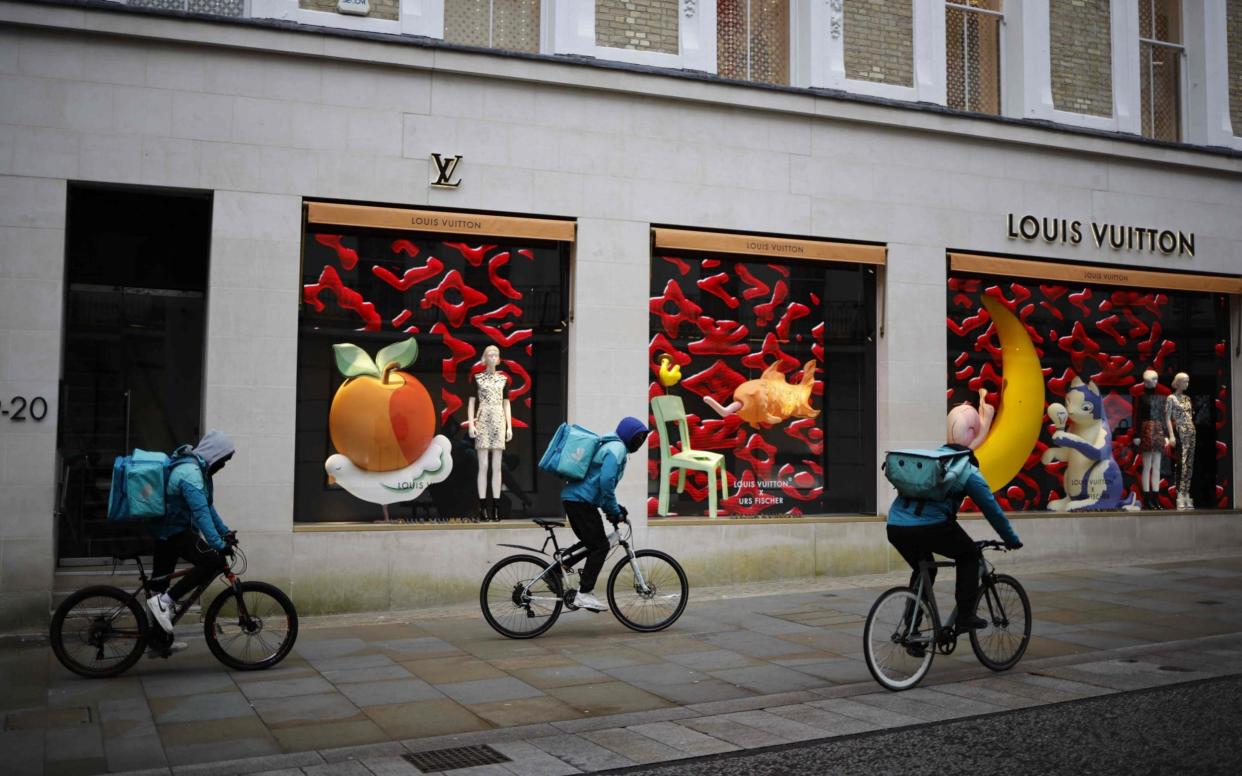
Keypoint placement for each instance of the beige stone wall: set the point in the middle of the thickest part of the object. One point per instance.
(1235, 65)
(646, 25)
(380, 9)
(879, 41)
(1082, 52)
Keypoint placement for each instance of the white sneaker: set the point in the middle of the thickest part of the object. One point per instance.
(587, 601)
(161, 609)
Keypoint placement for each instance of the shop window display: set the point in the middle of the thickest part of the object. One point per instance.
(774, 362)
(397, 332)
(1123, 403)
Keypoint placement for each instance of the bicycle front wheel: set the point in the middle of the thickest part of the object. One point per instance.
(521, 597)
(649, 592)
(898, 639)
(1004, 605)
(251, 627)
(99, 631)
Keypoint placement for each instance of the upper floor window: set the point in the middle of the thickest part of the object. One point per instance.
(752, 40)
(502, 24)
(973, 54)
(1160, 68)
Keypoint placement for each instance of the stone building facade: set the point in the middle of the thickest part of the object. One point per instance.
(649, 25)
(1081, 54)
(879, 41)
(1234, 32)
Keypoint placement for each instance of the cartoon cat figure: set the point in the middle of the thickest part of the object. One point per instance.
(1093, 478)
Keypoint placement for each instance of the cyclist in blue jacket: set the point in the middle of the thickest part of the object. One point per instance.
(583, 500)
(191, 529)
(917, 528)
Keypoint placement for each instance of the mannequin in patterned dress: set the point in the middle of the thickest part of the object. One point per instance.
(1153, 432)
(1181, 413)
(490, 429)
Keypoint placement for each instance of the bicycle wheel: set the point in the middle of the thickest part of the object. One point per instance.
(99, 631)
(518, 599)
(655, 604)
(1005, 606)
(898, 639)
(252, 633)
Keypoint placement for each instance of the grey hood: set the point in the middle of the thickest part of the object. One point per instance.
(214, 446)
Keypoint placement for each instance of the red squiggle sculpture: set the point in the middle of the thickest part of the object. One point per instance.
(757, 287)
(456, 312)
(686, 310)
(347, 256)
(346, 297)
(682, 265)
(714, 285)
(406, 247)
(472, 254)
(412, 277)
(764, 313)
(501, 284)
(723, 338)
(459, 352)
(480, 322)
(793, 312)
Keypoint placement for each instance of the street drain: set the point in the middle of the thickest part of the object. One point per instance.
(1176, 669)
(1210, 603)
(452, 759)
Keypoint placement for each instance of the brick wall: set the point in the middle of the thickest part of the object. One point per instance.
(646, 25)
(1235, 65)
(380, 9)
(879, 41)
(1081, 51)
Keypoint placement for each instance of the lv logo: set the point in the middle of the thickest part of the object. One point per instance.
(446, 168)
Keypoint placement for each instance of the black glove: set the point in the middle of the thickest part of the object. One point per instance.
(614, 519)
(1013, 545)
(625, 513)
(230, 538)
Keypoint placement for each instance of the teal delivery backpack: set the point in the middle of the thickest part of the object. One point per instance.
(570, 452)
(928, 475)
(139, 482)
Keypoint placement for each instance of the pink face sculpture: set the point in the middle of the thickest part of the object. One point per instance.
(966, 426)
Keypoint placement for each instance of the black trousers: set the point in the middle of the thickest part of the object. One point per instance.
(207, 563)
(588, 526)
(917, 543)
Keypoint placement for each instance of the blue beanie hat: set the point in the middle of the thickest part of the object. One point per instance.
(629, 427)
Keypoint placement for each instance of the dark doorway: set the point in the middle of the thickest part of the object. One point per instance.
(135, 304)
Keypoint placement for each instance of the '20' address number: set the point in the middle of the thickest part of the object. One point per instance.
(20, 409)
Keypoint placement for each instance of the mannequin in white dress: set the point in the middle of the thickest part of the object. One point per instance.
(491, 426)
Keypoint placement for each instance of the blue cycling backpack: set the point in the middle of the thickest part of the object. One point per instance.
(140, 484)
(570, 452)
(928, 475)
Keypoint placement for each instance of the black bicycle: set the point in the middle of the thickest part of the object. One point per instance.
(522, 595)
(101, 631)
(903, 631)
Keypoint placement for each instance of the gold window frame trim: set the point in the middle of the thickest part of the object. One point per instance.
(441, 221)
(1093, 275)
(768, 247)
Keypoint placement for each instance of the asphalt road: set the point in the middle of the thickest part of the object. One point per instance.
(1185, 729)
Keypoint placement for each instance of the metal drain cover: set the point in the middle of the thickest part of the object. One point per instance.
(452, 759)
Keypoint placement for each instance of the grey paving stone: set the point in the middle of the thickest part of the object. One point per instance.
(231, 756)
(733, 732)
(516, 733)
(482, 770)
(788, 729)
(339, 768)
(767, 678)
(833, 670)
(1036, 692)
(82, 742)
(752, 702)
(124, 710)
(486, 690)
(286, 688)
(364, 752)
(900, 704)
(956, 703)
(386, 693)
(281, 772)
(852, 707)
(375, 674)
(580, 753)
(623, 720)
(656, 673)
(827, 722)
(390, 766)
(132, 753)
(420, 646)
(249, 765)
(713, 659)
(754, 644)
(328, 648)
(528, 760)
(1100, 640)
(305, 708)
(634, 746)
(705, 691)
(170, 685)
(1062, 685)
(201, 708)
(683, 738)
(1000, 698)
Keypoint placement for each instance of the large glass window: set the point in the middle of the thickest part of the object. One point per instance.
(1106, 337)
(454, 295)
(502, 24)
(800, 440)
(1160, 68)
(973, 54)
(752, 40)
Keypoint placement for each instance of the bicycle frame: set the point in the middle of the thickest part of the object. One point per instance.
(943, 633)
(181, 607)
(559, 559)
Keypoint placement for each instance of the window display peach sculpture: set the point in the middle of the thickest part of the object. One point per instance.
(382, 424)
(771, 399)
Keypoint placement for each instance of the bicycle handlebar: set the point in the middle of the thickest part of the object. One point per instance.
(992, 544)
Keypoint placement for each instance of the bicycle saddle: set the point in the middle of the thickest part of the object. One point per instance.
(550, 522)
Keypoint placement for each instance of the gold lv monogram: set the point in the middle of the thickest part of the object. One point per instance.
(446, 167)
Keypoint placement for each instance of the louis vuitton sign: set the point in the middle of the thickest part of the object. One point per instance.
(1119, 237)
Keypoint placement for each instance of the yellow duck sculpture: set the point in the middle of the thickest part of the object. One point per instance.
(670, 373)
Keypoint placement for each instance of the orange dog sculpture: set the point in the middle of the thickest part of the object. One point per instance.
(771, 399)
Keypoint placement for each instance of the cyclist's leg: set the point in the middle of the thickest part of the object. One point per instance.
(163, 563)
(911, 543)
(950, 540)
(207, 563)
(588, 526)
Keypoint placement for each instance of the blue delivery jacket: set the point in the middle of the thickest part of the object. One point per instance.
(599, 486)
(903, 511)
(189, 500)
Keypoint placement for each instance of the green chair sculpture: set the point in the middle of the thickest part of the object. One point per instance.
(670, 410)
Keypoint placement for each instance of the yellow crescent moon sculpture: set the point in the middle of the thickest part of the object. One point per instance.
(1020, 417)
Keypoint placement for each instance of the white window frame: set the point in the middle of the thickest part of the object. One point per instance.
(1002, 44)
(415, 17)
(1206, 98)
(1182, 115)
(571, 25)
(827, 66)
